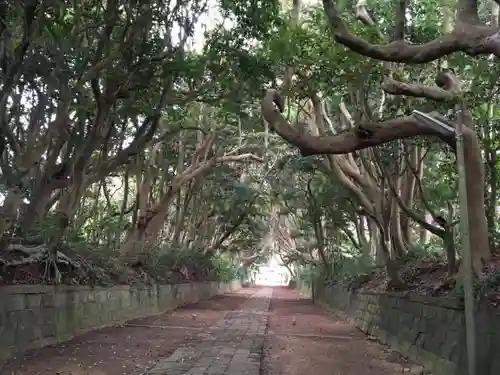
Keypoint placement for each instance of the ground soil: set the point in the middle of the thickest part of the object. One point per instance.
(128, 349)
(430, 278)
(90, 267)
(35, 273)
(320, 344)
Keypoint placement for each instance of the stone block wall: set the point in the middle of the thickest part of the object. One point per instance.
(33, 316)
(428, 330)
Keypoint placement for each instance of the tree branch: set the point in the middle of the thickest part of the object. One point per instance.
(382, 132)
(409, 212)
(400, 20)
(447, 89)
(469, 36)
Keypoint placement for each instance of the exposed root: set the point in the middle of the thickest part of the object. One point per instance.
(39, 254)
(51, 263)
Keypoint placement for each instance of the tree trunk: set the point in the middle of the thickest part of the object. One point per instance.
(451, 257)
(398, 244)
(424, 233)
(9, 210)
(408, 191)
(149, 224)
(33, 213)
(375, 251)
(478, 227)
(394, 281)
(492, 200)
(180, 207)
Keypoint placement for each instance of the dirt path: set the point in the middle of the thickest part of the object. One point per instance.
(127, 350)
(318, 343)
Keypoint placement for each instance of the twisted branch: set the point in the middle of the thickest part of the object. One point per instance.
(469, 36)
(382, 132)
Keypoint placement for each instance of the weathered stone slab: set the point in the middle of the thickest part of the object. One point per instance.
(232, 346)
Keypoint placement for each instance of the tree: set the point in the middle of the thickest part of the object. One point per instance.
(109, 94)
(470, 36)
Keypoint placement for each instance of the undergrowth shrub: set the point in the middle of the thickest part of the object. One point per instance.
(428, 251)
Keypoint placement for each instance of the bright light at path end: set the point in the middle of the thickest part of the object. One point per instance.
(272, 276)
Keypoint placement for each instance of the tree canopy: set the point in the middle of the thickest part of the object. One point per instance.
(166, 141)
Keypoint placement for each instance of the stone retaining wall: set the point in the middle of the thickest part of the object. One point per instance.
(428, 330)
(33, 316)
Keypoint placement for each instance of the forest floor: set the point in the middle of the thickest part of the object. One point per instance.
(299, 338)
(430, 277)
(83, 266)
(35, 273)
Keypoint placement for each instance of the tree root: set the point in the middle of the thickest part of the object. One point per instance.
(40, 254)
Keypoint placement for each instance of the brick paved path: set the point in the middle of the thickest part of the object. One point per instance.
(233, 346)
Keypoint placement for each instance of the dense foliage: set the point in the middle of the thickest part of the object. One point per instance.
(133, 145)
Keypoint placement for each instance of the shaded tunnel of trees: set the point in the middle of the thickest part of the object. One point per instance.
(174, 140)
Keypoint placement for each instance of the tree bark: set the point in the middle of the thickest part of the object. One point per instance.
(383, 132)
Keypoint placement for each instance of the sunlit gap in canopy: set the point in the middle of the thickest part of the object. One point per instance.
(206, 22)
